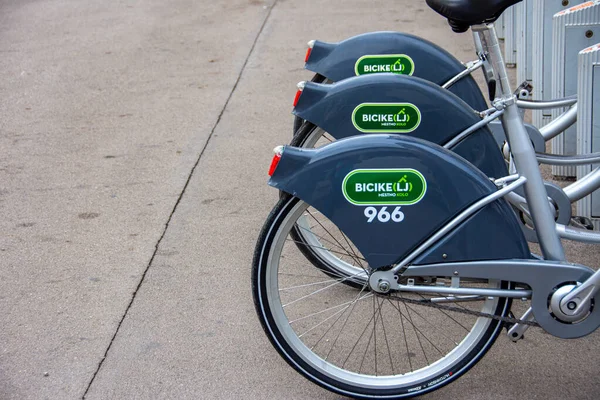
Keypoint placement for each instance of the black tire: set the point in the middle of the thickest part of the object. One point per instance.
(309, 340)
(317, 78)
(306, 134)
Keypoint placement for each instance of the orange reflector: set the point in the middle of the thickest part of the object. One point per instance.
(298, 93)
(274, 163)
(307, 54)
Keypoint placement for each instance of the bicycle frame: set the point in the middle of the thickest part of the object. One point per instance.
(549, 131)
(575, 191)
(549, 233)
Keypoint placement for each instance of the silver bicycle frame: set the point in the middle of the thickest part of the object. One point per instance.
(470, 67)
(575, 191)
(549, 233)
(554, 128)
(522, 150)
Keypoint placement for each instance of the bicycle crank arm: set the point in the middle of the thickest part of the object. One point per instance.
(577, 299)
(516, 332)
(547, 280)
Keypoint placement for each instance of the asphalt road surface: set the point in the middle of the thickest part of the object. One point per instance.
(135, 139)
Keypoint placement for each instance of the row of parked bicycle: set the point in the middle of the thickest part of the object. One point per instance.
(388, 266)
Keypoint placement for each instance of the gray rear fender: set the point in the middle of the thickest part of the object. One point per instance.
(338, 61)
(341, 109)
(420, 185)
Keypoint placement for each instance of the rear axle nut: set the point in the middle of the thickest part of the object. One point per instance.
(384, 286)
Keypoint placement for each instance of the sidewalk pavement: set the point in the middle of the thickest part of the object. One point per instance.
(135, 142)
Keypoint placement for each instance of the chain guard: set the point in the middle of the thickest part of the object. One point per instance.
(542, 276)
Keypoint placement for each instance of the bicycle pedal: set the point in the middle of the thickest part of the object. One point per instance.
(582, 222)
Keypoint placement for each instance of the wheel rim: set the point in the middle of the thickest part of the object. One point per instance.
(352, 336)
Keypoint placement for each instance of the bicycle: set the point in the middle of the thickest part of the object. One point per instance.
(377, 187)
(329, 109)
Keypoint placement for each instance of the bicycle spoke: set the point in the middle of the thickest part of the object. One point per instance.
(307, 285)
(334, 274)
(326, 230)
(303, 275)
(358, 340)
(318, 291)
(347, 304)
(374, 319)
(385, 337)
(352, 249)
(352, 304)
(319, 247)
(404, 336)
(320, 323)
(458, 323)
(440, 331)
(417, 330)
(321, 237)
(344, 325)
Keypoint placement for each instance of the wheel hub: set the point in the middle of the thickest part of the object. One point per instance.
(383, 286)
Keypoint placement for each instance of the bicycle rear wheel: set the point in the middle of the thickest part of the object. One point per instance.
(353, 341)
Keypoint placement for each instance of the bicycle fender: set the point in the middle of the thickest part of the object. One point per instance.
(373, 103)
(393, 52)
(390, 193)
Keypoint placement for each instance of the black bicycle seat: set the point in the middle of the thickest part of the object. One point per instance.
(462, 14)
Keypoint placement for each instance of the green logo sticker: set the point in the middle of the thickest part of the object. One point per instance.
(393, 63)
(376, 187)
(386, 117)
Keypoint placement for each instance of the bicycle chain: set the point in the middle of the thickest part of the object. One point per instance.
(426, 303)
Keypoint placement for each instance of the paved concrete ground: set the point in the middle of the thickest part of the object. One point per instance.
(135, 141)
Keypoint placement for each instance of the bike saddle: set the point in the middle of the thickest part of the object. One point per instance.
(462, 14)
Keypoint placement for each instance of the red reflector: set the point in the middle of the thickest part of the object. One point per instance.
(307, 54)
(274, 163)
(298, 93)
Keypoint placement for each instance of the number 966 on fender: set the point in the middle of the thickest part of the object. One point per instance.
(383, 215)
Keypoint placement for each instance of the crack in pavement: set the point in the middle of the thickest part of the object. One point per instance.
(89, 385)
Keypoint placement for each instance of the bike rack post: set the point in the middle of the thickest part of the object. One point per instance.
(588, 124)
(541, 46)
(573, 30)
